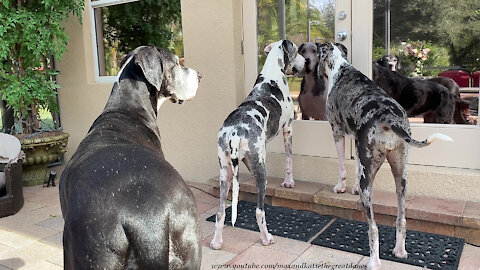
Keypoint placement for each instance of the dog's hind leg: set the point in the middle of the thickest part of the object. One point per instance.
(287, 139)
(370, 161)
(398, 163)
(342, 172)
(260, 175)
(357, 177)
(226, 176)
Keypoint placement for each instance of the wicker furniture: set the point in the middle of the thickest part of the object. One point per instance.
(12, 202)
(11, 161)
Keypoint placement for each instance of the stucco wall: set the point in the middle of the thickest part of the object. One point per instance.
(212, 41)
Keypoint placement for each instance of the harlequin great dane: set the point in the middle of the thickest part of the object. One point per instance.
(124, 205)
(358, 108)
(266, 111)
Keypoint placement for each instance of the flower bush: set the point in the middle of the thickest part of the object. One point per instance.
(417, 54)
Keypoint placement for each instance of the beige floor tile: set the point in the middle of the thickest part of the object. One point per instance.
(54, 240)
(287, 245)
(56, 259)
(204, 207)
(319, 258)
(54, 223)
(206, 198)
(393, 265)
(263, 258)
(14, 239)
(236, 240)
(207, 227)
(44, 265)
(24, 259)
(470, 258)
(12, 263)
(29, 230)
(212, 258)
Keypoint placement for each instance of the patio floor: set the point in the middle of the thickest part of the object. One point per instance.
(32, 239)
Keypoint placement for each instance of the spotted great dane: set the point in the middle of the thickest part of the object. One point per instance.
(124, 205)
(266, 111)
(357, 107)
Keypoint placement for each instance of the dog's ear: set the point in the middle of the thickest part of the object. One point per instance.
(381, 61)
(289, 47)
(268, 48)
(343, 49)
(301, 47)
(150, 61)
(398, 63)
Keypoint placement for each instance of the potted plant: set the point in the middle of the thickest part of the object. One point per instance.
(32, 38)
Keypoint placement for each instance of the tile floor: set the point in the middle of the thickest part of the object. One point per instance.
(32, 239)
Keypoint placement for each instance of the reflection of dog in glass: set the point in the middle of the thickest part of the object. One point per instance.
(459, 116)
(418, 97)
(313, 97)
(358, 107)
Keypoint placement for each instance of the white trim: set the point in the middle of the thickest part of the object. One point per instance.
(106, 3)
(93, 6)
(250, 44)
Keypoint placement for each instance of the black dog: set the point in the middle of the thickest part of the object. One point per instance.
(124, 205)
(418, 97)
(390, 61)
(393, 63)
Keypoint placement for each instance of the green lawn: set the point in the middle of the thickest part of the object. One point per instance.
(46, 120)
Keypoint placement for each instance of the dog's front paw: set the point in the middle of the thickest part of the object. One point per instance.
(288, 183)
(216, 244)
(400, 252)
(340, 187)
(268, 240)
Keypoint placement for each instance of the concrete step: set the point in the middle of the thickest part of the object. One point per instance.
(427, 214)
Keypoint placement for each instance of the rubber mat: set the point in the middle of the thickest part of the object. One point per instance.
(424, 249)
(281, 221)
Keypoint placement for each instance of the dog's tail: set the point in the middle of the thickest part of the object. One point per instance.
(401, 133)
(234, 143)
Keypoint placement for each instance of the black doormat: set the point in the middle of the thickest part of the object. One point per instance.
(424, 249)
(281, 221)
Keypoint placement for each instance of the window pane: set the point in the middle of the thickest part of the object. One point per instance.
(431, 39)
(121, 28)
(322, 27)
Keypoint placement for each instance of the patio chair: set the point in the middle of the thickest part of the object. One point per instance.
(11, 185)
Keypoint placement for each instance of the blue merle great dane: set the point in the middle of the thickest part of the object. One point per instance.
(267, 111)
(357, 107)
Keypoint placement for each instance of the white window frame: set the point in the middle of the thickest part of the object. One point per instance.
(314, 138)
(93, 6)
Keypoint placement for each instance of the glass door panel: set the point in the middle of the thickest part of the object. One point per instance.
(435, 41)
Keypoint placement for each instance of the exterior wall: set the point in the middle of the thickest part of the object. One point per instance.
(212, 41)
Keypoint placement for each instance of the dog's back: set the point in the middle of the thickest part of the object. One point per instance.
(123, 171)
(358, 104)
